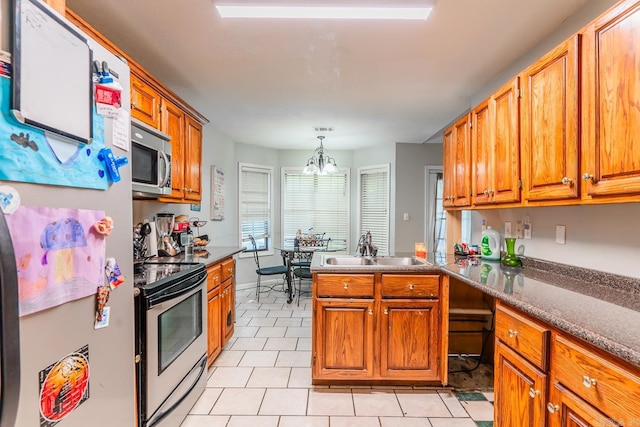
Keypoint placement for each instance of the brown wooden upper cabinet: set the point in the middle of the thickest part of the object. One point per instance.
(495, 147)
(550, 124)
(145, 102)
(611, 103)
(457, 163)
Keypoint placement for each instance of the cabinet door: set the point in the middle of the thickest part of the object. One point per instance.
(193, 161)
(414, 355)
(214, 340)
(520, 390)
(228, 310)
(448, 168)
(173, 124)
(550, 119)
(568, 410)
(145, 102)
(462, 162)
(505, 182)
(481, 154)
(344, 339)
(611, 102)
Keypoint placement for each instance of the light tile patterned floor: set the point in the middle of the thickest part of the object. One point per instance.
(263, 379)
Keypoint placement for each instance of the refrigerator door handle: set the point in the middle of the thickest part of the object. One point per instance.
(9, 329)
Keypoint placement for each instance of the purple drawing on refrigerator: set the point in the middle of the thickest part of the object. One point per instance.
(59, 256)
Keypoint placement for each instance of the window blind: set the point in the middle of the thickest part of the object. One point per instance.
(315, 204)
(255, 205)
(374, 205)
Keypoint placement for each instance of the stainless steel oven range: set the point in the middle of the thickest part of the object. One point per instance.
(171, 340)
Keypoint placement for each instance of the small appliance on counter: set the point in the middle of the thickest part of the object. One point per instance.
(164, 224)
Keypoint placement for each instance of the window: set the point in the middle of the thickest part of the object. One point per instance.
(254, 205)
(317, 204)
(373, 187)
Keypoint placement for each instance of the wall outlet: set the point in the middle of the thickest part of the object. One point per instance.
(507, 229)
(519, 230)
(406, 216)
(561, 234)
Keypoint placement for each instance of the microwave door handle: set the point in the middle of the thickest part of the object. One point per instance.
(166, 169)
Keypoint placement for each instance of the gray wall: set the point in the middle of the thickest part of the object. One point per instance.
(411, 192)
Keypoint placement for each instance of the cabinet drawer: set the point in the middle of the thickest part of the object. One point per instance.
(345, 285)
(597, 378)
(214, 277)
(410, 286)
(228, 269)
(528, 337)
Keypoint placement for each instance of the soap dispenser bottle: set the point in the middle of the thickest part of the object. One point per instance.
(490, 245)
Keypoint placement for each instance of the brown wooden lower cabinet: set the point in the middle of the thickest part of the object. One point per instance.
(378, 328)
(580, 385)
(220, 306)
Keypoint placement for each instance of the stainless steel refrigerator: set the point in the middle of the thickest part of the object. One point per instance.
(32, 343)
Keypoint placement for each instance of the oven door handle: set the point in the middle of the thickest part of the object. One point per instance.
(157, 299)
(160, 416)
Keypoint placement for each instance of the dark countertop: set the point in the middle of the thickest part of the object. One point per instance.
(207, 255)
(599, 314)
(600, 308)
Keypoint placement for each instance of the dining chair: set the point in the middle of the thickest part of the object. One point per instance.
(266, 271)
(301, 273)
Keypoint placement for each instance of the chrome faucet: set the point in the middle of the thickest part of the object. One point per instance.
(366, 246)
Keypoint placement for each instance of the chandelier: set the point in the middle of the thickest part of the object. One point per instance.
(320, 163)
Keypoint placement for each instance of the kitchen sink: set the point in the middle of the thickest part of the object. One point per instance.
(348, 261)
(398, 261)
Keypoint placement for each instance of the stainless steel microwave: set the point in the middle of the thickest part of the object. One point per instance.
(150, 161)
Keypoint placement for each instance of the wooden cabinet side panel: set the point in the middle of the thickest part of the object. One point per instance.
(550, 124)
(481, 154)
(506, 144)
(611, 124)
(516, 380)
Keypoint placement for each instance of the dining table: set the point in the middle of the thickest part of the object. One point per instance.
(297, 256)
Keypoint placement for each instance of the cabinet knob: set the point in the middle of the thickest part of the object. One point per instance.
(567, 180)
(588, 382)
(485, 192)
(411, 286)
(133, 105)
(490, 192)
(370, 312)
(345, 286)
(587, 177)
(512, 333)
(552, 408)
(533, 393)
(385, 311)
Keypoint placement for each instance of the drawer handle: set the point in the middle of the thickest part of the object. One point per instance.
(411, 286)
(230, 270)
(346, 286)
(533, 393)
(588, 382)
(386, 311)
(552, 408)
(567, 180)
(512, 333)
(370, 312)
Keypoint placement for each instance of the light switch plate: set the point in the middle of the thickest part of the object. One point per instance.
(507, 229)
(561, 234)
(527, 231)
(406, 216)
(519, 230)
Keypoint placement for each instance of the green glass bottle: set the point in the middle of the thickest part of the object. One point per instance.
(510, 258)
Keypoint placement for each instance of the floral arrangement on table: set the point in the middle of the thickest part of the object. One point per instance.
(309, 239)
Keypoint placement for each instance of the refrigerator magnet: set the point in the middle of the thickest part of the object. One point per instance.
(113, 273)
(104, 322)
(104, 226)
(102, 297)
(9, 199)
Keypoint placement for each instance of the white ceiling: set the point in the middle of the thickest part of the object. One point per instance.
(270, 82)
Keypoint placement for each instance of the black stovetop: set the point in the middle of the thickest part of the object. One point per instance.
(151, 275)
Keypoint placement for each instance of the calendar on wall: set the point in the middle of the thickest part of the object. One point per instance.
(217, 193)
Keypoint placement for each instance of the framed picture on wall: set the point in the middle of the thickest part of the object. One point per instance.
(217, 193)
